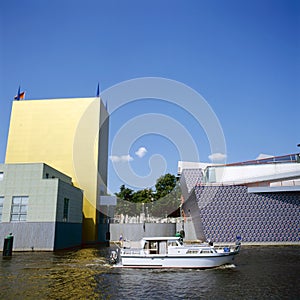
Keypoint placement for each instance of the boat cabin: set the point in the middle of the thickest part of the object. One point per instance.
(172, 246)
(159, 245)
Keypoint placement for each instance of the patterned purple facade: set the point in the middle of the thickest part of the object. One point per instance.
(188, 179)
(227, 211)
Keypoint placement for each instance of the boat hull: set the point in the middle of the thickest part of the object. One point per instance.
(158, 261)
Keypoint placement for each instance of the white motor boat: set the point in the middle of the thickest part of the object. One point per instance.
(170, 252)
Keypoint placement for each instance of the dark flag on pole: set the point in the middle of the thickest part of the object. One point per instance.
(20, 95)
(98, 91)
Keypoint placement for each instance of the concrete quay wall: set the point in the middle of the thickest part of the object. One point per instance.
(136, 231)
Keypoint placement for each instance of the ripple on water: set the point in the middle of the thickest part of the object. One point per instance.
(258, 272)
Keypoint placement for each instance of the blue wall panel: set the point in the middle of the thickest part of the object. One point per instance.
(67, 235)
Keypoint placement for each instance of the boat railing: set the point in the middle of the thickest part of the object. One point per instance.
(224, 248)
(228, 248)
(131, 251)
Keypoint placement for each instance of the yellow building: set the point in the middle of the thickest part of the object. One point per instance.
(70, 135)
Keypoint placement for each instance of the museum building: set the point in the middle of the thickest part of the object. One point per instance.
(258, 200)
(55, 174)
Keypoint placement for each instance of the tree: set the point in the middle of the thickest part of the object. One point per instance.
(142, 196)
(164, 185)
(166, 196)
(125, 193)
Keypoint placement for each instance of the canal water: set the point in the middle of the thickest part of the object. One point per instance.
(266, 272)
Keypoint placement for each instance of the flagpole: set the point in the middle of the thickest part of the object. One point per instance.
(17, 97)
(98, 91)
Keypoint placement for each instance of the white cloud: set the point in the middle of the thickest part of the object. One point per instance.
(262, 156)
(217, 157)
(141, 152)
(120, 158)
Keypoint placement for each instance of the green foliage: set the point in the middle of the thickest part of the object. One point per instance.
(164, 185)
(125, 193)
(143, 196)
(160, 203)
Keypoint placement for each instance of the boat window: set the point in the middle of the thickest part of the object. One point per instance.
(146, 246)
(190, 251)
(205, 251)
(153, 247)
(173, 243)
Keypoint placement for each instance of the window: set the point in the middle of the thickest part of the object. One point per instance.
(19, 209)
(172, 243)
(206, 251)
(1, 176)
(190, 251)
(66, 210)
(1, 207)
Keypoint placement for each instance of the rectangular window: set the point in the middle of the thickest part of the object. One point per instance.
(1, 176)
(66, 210)
(1, 207)
(19, 209)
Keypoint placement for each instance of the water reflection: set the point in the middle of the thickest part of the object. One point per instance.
(62, 275)
(258, 273)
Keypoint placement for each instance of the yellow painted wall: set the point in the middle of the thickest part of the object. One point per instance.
(62, 133)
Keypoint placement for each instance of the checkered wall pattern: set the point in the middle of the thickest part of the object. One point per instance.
(227, 211)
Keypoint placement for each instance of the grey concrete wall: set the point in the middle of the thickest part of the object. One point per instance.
(189, 229)
(42, 236)
(75, 196)
(25, 180)
(136, 231)
(45, 206)
(39, 235)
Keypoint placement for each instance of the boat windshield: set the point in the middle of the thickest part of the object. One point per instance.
(173, 243)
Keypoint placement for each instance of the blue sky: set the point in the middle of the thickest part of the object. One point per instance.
(243, 57)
